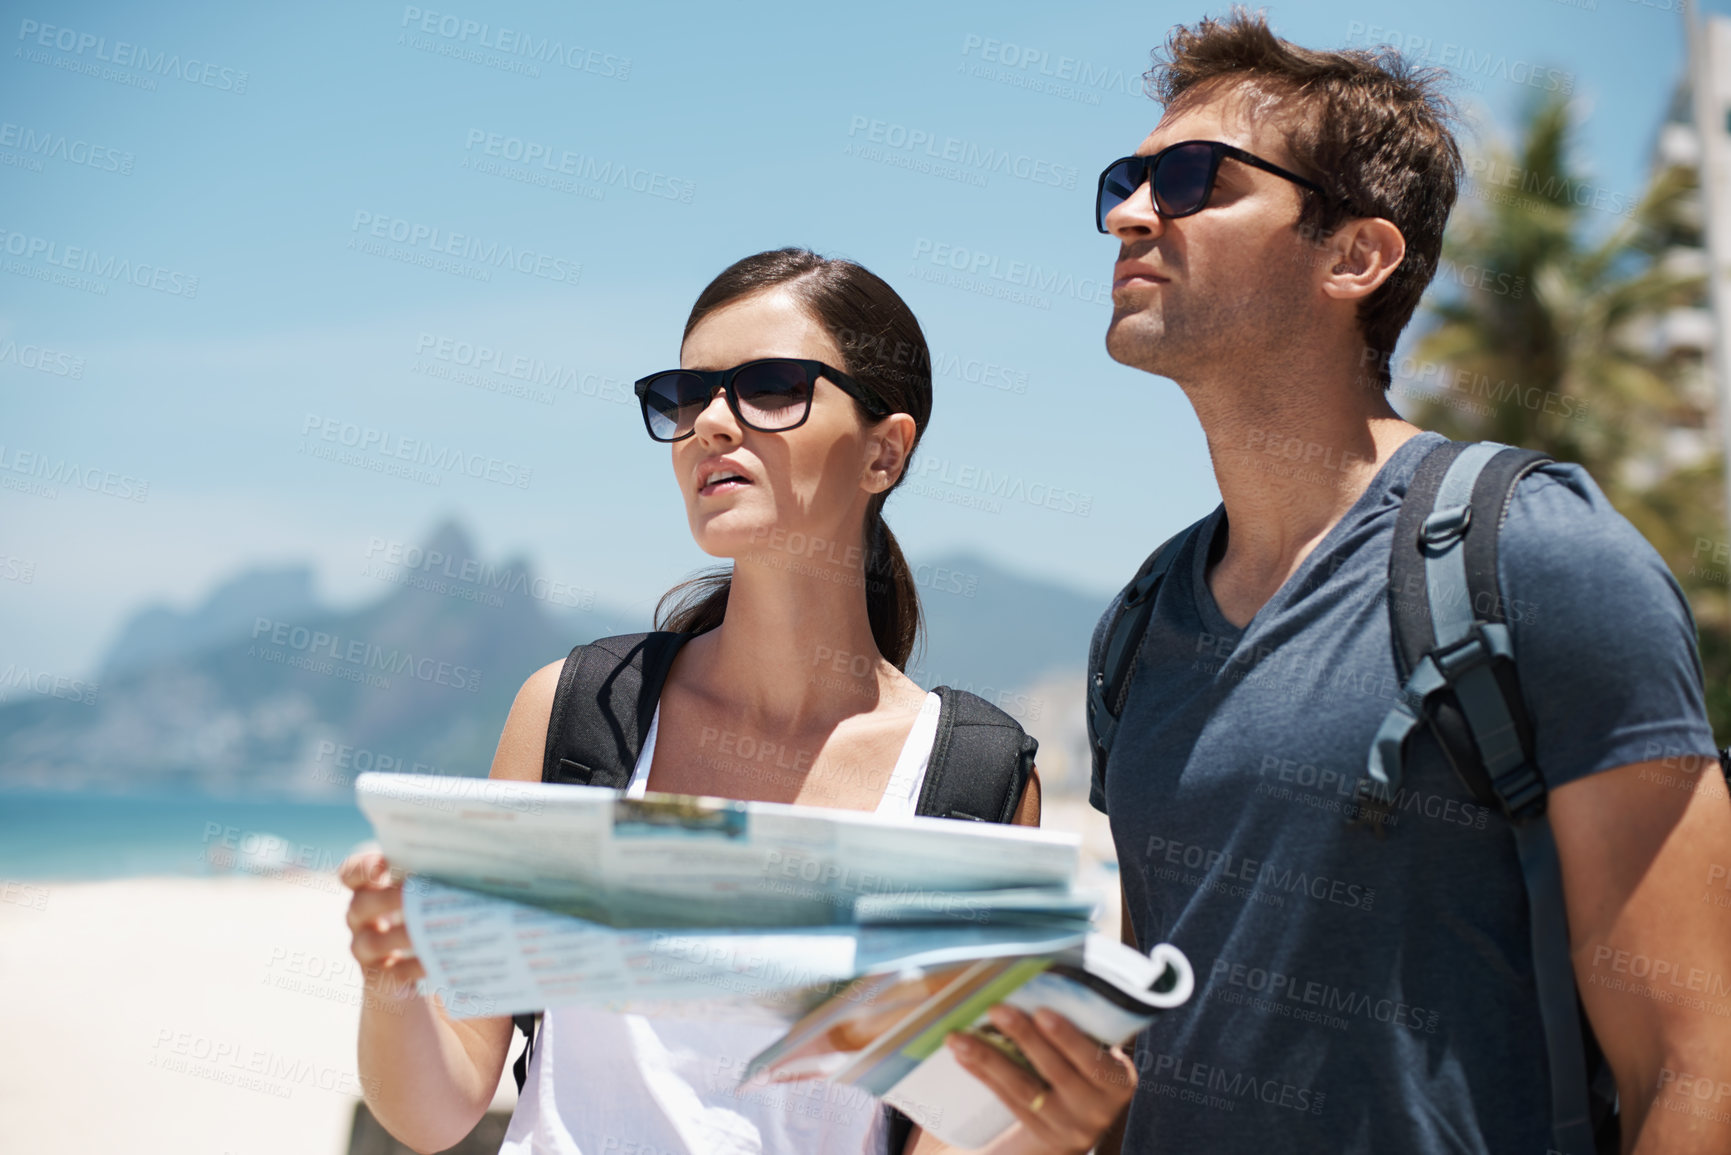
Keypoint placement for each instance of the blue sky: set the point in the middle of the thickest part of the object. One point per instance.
(337, 176)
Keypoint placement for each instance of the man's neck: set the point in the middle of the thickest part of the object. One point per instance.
(1291, 455)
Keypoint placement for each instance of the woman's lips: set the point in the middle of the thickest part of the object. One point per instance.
(719, 487)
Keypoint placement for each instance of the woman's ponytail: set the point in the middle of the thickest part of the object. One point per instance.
(892, 600)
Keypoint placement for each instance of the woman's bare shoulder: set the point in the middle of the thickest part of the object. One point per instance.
(523, 742)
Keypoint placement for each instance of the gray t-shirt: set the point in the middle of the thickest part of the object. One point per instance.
(1357, 993)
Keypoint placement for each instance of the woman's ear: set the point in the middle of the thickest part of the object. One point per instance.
(892, 439)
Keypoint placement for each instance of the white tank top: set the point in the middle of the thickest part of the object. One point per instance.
(601, 1083)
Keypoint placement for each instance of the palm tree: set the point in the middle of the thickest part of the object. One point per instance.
(1549, 320)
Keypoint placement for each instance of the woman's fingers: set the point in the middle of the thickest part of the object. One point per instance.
(366, 867)
(1048, 1060)
(1014, 1087)
(396, 978)
(1084, 1085)
(373, 947)
(1100, 1066)
(369, 906)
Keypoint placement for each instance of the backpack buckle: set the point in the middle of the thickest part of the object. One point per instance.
(1457, 659)
(1446, 526)
(1521, 791)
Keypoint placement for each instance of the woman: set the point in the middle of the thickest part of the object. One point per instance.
(784, 467)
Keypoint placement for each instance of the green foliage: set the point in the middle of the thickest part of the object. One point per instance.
(1544, 330)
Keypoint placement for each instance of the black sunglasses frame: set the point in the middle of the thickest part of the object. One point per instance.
(1218, 150)
(723, 379)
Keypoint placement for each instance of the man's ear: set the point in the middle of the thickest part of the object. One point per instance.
(1360, 256)
(891, 441)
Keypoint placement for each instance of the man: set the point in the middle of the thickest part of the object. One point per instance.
(1356, 990)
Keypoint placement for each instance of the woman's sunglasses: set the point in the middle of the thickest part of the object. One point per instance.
(1183, 176)
(771, 395)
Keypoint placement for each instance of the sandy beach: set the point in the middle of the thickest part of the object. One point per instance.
(211, 1016)
(180, 1016)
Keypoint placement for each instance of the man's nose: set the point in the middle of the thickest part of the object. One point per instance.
(1136, 218)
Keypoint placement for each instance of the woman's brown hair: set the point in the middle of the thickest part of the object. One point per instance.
(883, 349)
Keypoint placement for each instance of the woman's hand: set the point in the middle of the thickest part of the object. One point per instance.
(381, 941)
(1086, 1085)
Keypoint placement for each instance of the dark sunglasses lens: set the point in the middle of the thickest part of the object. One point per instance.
(672, 402)
(1119, 185)
(1183, 179)
(773, 394)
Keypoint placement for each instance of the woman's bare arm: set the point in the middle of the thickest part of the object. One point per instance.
(428, 1078)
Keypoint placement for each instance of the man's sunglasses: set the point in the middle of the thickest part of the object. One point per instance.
(771, 395)
(1183, 176)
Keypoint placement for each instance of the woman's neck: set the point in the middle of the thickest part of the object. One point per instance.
(795, 647)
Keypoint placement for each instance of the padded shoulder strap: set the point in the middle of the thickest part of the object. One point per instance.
(1458, 658)
(980, 761)
(1112, 659)
(600, 720)
(603, 707)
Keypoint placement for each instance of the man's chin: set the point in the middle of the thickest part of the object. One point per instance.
(1134, 339)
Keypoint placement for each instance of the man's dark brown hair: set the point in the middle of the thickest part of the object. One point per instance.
(1369, 127)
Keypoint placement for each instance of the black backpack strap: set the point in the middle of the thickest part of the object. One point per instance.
(520, 1069)
(980, 761)
(603, 707)
(1112, 659)
(1457, 654)
(1451, 635)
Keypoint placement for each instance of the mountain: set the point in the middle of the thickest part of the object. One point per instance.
(988, 629)
(159, 634)
(261, 689)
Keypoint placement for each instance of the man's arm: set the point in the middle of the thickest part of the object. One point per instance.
(1642, 849)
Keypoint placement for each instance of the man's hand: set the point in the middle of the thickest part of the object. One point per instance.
(1641, 847)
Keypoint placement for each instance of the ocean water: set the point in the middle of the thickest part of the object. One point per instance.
(72, 836)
